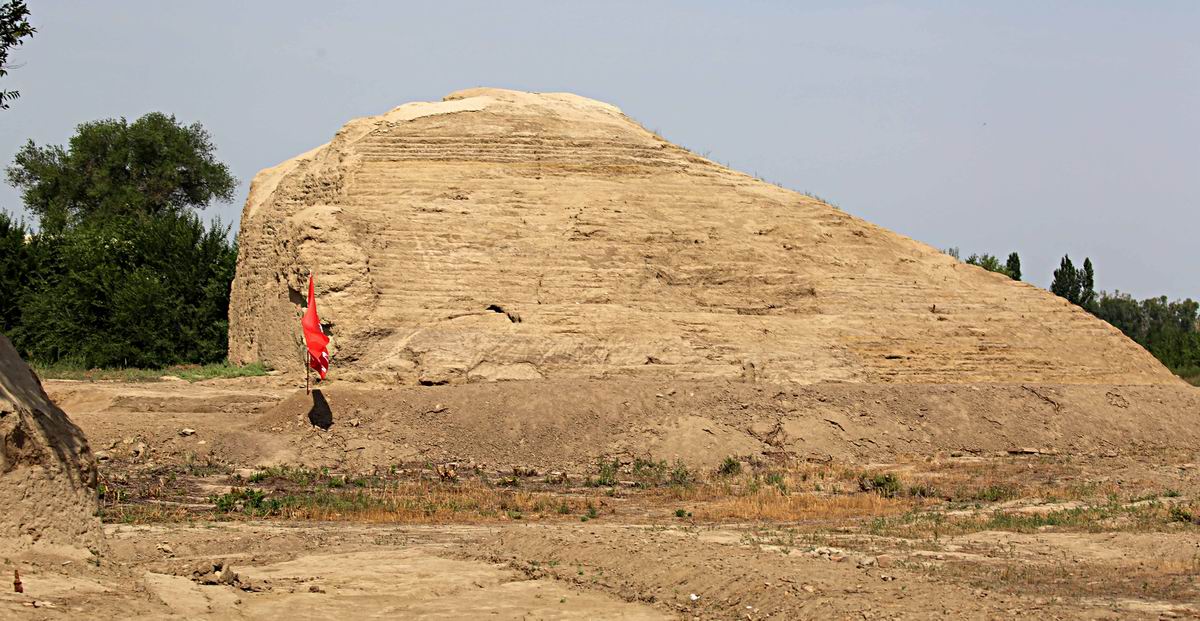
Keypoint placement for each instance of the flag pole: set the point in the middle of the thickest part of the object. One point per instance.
(307, 372)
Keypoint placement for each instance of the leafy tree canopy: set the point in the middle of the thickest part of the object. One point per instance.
(153, 166)
(1013, 266)
(14, 29)
(1066, 283)
(122, 272)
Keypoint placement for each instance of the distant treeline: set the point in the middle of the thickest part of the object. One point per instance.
(1170, 330)
(121, 271)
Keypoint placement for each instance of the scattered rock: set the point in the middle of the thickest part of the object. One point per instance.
(228, 576)
(884, 561)
(187, 431)
(312, 588)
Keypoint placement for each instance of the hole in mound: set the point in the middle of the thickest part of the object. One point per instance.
(496, 308)
(320, 415)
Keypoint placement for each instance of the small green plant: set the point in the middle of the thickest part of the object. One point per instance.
(730, 467)
(1181, 514)
(563, 508)
(246, 500)
(922, 490)
(886, 484)
(1171, 493)
(996, 493)
(649, 473)
(777, 480)
(682, 513)
(681, 476)
(606, 473)
(591, 513)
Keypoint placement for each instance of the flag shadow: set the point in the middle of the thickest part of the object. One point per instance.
(320, 415)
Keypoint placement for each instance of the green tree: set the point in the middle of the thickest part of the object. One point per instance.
(1168, 330)
(1087, 285)
(153, 166)
(1013, 266)
(122, 271)
(14, 270)
(1066, 282)
(131, 291)
(14, 29)
(989, 263)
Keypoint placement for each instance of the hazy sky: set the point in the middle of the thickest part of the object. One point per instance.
(1045, 128)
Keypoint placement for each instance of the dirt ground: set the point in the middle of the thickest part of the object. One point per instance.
(243, 499)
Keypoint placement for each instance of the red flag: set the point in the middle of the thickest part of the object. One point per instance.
(314, 338)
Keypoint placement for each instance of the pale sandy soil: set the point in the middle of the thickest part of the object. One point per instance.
(852, 556)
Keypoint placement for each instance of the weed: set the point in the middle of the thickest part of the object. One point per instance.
(730, 467)
(649, 473)
(681, 476)
(922, 490)
(606, 473)
(1179, 513)
(886, 485)
(250, 501)
(996, 493)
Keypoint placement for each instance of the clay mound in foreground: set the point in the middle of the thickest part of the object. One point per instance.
(508, 235)
(47, 471)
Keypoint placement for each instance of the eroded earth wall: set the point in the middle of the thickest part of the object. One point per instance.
(508, 235)
(47, 471)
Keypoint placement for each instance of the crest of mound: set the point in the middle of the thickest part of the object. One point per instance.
(47, 471)
(499, 234)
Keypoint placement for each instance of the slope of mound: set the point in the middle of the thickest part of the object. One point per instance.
(508, 235)
(570, 424)
(47, 471)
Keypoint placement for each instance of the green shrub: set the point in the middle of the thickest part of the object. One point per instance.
(886, 485)
(730, 467)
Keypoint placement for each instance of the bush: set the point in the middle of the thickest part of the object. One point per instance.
(134, 291)
(730, 467)
(606, 473)
(886, 485)
(681, 476)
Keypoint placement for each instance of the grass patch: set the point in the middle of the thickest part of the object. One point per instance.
(1110, 517)
(189, 372)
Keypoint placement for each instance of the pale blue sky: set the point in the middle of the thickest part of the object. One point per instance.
(1031, 126)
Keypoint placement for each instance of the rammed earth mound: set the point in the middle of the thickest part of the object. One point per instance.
(622, 255)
